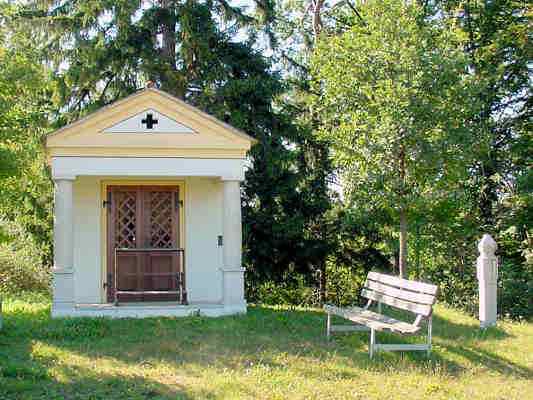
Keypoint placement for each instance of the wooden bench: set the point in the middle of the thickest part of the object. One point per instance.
(413, 296)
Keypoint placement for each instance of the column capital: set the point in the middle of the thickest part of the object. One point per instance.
(239, 270)
(487, 246)
(64, 178)
(231, 178)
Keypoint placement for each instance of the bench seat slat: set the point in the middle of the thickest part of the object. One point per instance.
(403, 283)
(402, 294)
(373, 320)
(422, 309)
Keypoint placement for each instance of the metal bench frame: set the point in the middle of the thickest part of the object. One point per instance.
(413, 296)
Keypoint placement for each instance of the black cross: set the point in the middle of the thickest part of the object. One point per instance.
(149, 121)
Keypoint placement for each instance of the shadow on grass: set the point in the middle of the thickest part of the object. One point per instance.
(27, 375)
(269, 337)
(26, 378)
(450, 330)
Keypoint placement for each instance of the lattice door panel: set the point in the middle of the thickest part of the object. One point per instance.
(143, 234)
(162, 207)
(126, 223)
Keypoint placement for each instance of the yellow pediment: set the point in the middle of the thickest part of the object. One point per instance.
(149, 123)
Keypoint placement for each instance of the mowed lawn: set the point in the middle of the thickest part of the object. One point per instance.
(270, 353)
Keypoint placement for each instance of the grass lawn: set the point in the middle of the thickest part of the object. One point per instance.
(270, 353)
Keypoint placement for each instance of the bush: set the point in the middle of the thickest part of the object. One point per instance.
(515, 289)
(342, 288)
(458, 284)
(22, 271)
(344, 284)
(295, 292)
(458, 287)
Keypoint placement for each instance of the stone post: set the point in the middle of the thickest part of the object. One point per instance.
(63, 270)
(487, 275)
(232, 271)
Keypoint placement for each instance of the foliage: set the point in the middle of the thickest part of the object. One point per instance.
(271, 352)
(425, 109)
(344, 285)
(21, 270)
(25, 186)
(346, 270)
(293, 291)
(500, 186)
(464, 176)
(515, 290)
(397, 126)
(499, 49)
(209, 54)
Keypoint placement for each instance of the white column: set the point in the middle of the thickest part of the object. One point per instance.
(63, 270)
(487, 275)
(232, 271)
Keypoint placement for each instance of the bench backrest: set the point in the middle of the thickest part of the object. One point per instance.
(417, 297)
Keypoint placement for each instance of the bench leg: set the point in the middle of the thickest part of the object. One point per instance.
(430, 329)
(372, 342)
(328, 326)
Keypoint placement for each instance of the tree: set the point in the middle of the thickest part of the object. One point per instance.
(25, 194)
(499, 51)
(296, 27)
(396, 102)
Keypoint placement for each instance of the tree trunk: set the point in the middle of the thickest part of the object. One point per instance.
(403, 212)
(317, 6)
(322, 284)
(403, 243)
(169, 81)
(488, 196)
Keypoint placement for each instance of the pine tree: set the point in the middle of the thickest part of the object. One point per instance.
(208, 54)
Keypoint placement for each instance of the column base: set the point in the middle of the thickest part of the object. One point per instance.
(63, 302)
(61, 310)
(233, 288)
(486, 324)
(231, 309)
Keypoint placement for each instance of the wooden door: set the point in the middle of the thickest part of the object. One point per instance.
(143, 226)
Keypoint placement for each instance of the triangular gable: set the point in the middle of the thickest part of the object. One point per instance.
(147, 121)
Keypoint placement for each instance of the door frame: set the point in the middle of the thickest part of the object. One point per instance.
(180, 183)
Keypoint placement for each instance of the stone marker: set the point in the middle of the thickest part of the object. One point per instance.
(487, 275)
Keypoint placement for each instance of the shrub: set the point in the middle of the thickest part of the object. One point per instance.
(344, 284)
(515, 289)
(295, 292)
(21, 270)
(342, 288)
(458, 287)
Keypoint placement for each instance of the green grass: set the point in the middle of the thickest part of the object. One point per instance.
(270, 353)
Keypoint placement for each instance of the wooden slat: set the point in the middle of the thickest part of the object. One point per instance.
(402, 294)
(372, 320)
(416, 308)
(403, 283)
(348, 328)
(401, 347)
